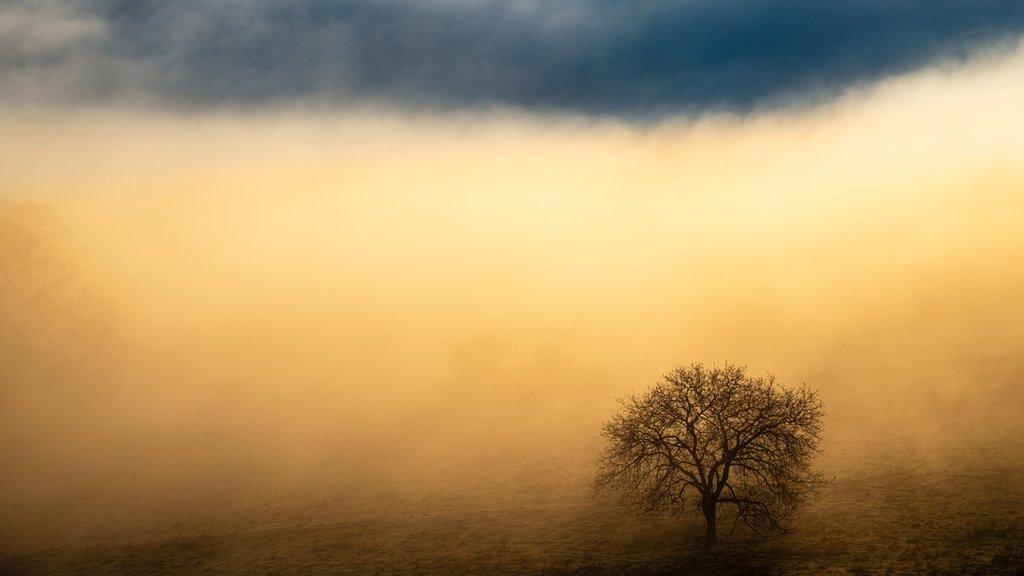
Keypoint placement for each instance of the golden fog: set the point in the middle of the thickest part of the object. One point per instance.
(366, 301)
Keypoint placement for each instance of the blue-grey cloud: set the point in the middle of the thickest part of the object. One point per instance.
(600, 57)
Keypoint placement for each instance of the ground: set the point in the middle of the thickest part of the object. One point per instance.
(900, 518)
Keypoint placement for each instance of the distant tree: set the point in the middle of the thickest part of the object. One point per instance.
(53, 325)
(718, 441)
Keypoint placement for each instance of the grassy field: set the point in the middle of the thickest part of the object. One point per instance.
(899, 517)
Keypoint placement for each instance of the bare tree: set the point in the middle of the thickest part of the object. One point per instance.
(715, 440)
(54, 327)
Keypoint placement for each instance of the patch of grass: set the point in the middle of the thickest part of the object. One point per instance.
(902, 522)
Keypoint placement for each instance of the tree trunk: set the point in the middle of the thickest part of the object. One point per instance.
(711, 520)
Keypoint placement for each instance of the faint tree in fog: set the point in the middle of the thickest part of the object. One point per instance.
(718, 441)
(53, 330)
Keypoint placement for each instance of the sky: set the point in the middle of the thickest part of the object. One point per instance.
(313, 226)
(640, 60)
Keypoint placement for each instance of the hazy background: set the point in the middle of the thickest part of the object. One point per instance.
(294, 316)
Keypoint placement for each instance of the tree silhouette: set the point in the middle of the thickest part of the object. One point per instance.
(54, 328)
(715, 440)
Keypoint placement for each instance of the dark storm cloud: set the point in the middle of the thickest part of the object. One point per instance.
(604, 57)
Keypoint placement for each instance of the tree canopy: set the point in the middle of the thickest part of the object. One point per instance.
(715, 439)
